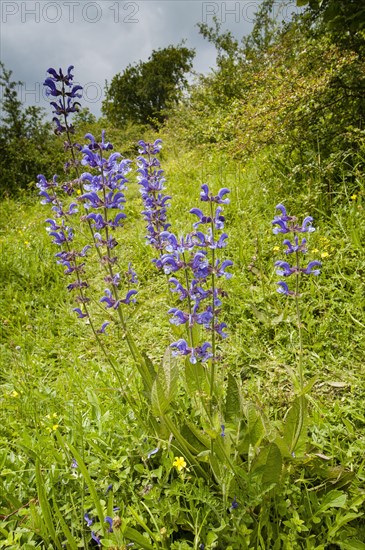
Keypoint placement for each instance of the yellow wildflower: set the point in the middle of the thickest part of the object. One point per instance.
(324, 255)
(276, 249)
(353, 197)
(54, 427)
(179, 463)
(14, 394)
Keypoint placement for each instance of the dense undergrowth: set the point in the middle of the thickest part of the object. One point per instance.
(73, 442)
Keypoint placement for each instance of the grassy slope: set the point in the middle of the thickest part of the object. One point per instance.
(52, 363)
(53, 374)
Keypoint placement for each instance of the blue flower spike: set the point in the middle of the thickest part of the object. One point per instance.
(287, 224)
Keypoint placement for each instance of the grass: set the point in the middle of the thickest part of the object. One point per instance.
(60, 399)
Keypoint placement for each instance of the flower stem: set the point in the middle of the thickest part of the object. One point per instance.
(212, 374)
(299, 323)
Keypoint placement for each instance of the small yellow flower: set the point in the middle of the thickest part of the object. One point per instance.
(54, 427)
(353, 197)
(276, 249)
(26, 243)
(54, 415)
(324, 255)
(78, 192)
(315, 250)
(179, 463)
(14, 394)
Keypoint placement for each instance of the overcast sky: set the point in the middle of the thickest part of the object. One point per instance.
(100, 38)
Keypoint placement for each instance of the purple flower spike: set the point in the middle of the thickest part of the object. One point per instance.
(288, 224)
(152, 182)
(59, 85)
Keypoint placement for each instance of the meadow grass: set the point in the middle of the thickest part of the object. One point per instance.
(59, 397)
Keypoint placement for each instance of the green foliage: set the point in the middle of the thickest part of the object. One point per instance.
(27, 147)
(302, 92)
(311, 500)
(144, 92)
(344, 20)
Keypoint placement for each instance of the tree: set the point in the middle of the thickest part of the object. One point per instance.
(26, 143)
(143, 93)
(344, 20)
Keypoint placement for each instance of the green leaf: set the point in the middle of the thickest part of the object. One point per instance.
(165, 385)
(272, 466)
(149, 365)
(66, 531)
(342, 520)
(44, 504)
(295, 426)
(349, 544)
(233, 401)
(255, 429)
(333, 499)
(106, 543)
(135, 536)
(195, 378)
(309, 386)
(196, 439)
